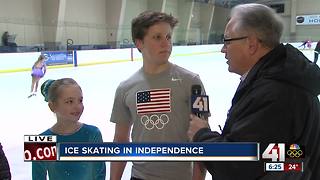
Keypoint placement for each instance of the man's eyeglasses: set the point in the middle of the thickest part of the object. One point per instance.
(227, 41)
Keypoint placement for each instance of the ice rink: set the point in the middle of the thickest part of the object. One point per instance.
(22, 116)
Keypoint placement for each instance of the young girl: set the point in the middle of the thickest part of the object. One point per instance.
(38, 71)
(64, 97)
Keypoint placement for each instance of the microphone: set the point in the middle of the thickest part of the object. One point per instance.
(199, 103)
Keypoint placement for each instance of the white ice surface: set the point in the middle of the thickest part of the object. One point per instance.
(22, 116)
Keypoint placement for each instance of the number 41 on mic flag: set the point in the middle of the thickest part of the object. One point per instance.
(200, 104)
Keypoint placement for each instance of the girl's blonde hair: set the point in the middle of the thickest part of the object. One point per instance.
(50, 88)
(40, 58)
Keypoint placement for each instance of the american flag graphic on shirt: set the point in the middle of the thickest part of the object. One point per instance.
(153, 101)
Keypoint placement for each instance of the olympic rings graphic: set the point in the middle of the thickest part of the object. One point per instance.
(293, 153)
(154, 121)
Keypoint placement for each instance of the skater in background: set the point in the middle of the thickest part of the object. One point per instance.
(316, 52)
(64, 97)
(38, 71)
(306, 43)
(309, 43)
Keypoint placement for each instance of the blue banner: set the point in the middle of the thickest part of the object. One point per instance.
(159, 151)
(58, 57)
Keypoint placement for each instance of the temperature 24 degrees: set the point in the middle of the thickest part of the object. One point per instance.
(293, 166)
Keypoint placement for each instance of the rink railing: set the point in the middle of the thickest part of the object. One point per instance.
(21, 62)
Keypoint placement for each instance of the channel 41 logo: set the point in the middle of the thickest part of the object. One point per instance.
(280, 151)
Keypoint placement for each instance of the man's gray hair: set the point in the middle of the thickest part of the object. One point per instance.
(259, 19)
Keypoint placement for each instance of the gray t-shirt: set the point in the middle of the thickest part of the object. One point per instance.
(158, 107)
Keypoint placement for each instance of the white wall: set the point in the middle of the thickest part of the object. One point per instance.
(22, 18)
(85, 21)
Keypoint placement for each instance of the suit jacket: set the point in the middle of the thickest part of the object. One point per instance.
(276, 103)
